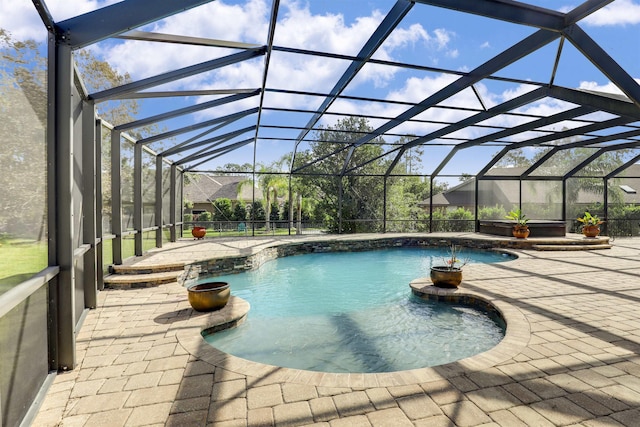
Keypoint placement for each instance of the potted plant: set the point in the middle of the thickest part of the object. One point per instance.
(209, 296)
(198, 232)
(590, 224)
(449, 275)
(520, 229)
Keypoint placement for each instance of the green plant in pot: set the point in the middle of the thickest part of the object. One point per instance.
(449, 274)
(520, 228)
(590, 224)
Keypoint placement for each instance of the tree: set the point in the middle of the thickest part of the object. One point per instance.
(274, 212)
(239, 212)
(257, 211)
(222, 210)
(23, 107)
(586, 181)
(516, 158)
(237, 168)
(361, 192)
(100, 75)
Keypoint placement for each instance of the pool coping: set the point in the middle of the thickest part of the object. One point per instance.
(256, 257)
(517, 336)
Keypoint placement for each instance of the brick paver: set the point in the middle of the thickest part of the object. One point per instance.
(571, 359)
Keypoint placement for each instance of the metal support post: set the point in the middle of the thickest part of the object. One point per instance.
(299, 212)
(340, 206)
(63, 201)
(137, 198)
(98, 206)
(116, 196)
(180, 203)
(290, 213)
(384, 205)
(52, 215)
(564, 199)
(89, 202)
(431, 204)
(159, 202)
(605, 200)
(173, 202)
(476, 222)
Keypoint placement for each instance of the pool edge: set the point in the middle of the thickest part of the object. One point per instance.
(516, 337)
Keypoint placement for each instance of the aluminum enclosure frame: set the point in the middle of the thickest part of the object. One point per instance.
(119, 20)
(74, 274)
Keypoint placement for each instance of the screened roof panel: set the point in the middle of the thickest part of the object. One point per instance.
(464, 161)
(608, 36)
(474, 77)
(608, 161)
(563, 161)
(536, 66)
(425, 158)
(304, 72)
(444, 25)
(633, 171)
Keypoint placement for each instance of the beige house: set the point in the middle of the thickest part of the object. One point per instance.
(506, 192)
(202, 191)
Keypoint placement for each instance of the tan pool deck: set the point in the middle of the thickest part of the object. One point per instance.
(570, 356)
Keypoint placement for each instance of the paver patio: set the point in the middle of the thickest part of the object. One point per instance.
(573, 361)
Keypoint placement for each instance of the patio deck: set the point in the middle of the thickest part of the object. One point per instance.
(570, 359)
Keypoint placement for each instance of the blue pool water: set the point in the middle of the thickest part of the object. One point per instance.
(354, 312)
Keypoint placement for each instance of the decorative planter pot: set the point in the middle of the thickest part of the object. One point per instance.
(198, 232)
(591, 230)
(443, 277)
(209, 296)
(521, 231)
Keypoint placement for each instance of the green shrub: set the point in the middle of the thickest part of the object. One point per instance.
(460, 220)
(492, 212)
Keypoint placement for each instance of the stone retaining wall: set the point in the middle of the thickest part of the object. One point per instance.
(230, 265)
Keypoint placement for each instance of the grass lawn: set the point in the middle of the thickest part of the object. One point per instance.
(20, 260)
(186, 233)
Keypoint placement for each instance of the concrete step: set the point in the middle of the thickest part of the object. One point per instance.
(145, 269)
(147, 280)
(572, 247)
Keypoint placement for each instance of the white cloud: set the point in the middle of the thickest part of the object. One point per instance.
(443, 37)
(619, 12)
(608, 87)
(485, 45)
(402, 37)
(21, 19)
(64, 9)
(297, 27)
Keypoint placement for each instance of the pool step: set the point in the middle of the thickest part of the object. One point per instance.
(135, 281)
(145, 269)
(584, 244)
(142, 276)
(573, 247)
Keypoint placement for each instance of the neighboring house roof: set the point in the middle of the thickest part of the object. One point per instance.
(207, 188)
(506, 192)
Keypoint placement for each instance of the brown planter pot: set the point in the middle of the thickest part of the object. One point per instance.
(443, 277)
(198, 232)
(521, 231)
(209, 296)
(591, 230)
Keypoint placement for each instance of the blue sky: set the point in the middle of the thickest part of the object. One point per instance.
(427, 36)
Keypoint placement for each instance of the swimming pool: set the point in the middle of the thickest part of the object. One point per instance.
(354, 312)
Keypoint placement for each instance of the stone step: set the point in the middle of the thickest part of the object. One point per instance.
(572, 247)
(134, 281)
(146, 269)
